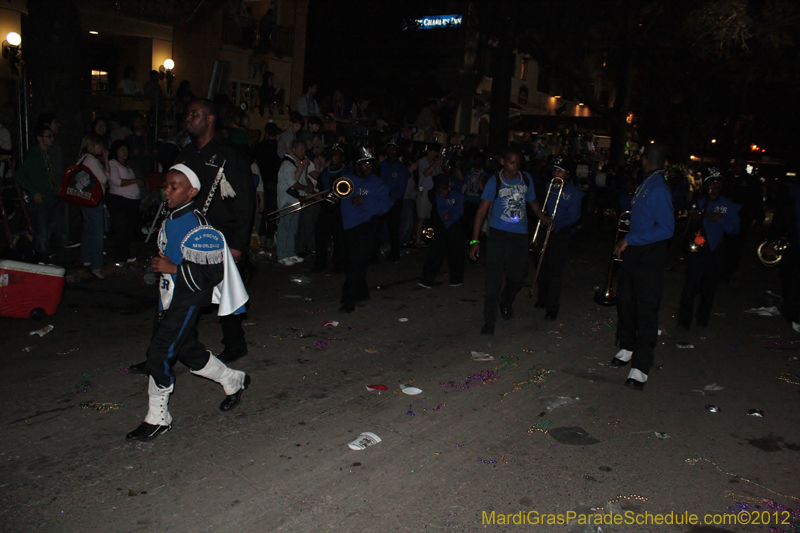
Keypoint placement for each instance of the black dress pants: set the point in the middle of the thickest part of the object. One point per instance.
(359, 241)
(448, 243)
(790, 282)
(506, 258)
(232, 331)
(329, 226)
(551, 276)
(641, 282)
(704, 269)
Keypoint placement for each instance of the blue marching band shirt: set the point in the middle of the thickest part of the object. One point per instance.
(452, 205)
(509, 209)
(395, 176)
(569, 206)
(729, 223)
(376, 201)
(652, 218)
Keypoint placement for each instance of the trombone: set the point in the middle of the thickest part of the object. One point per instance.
(342, 187)
(608, 296)
(559, 184)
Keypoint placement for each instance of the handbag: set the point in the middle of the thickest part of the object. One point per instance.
(80, 186)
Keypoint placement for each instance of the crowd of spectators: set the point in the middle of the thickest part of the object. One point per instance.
(124, 150)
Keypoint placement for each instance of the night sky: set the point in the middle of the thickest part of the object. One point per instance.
(359, 46)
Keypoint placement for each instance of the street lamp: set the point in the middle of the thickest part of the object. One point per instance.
(13, 53)
(169, 65)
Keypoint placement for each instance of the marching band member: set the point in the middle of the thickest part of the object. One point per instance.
(786, 226)
(641, 278)
(329, 222)
(370, 199)
(448, 237)
(715, 216)
(567, 216)
(196, 267)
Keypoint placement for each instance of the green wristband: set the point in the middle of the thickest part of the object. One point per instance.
(474, 241)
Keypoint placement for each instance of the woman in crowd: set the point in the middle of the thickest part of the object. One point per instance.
(94, 157)
(123, 201)
(99, 127)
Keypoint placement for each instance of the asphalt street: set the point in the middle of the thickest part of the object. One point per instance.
(545, 428)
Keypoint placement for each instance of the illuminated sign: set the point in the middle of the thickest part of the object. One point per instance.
(436, 21)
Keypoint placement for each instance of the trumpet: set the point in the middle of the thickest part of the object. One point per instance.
(559, 184)
(694, 240)
(341, 188)
(608, 296)
(771, 257)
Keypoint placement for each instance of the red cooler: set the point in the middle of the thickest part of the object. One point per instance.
(28, 290)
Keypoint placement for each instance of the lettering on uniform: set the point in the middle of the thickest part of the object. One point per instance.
(207, 235)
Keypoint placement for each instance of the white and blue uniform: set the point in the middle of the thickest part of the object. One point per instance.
(206, 273)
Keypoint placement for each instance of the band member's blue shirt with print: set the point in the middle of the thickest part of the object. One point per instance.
(451, 205)
(728, 223)
(569, 206)
(395, 176)
(509, 209)
(376, 201)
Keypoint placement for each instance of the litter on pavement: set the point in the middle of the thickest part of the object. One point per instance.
(42, 331)
(364, 440)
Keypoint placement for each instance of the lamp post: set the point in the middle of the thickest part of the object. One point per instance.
(12, 52)
(169, 65)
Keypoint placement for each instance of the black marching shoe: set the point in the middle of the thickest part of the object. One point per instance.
(540, 304)
(506, 311)
(138, 368)
(347, 308)
(550, 315)
(487, 329)
(233, 400)
(229, 356)
(147, 432)
(633, 384)
(618, 363)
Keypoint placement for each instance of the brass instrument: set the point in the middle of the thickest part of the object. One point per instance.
(608, 296)
(772, 257)
(342, 187)
(558, 183)
(694, 240)
(428, 232)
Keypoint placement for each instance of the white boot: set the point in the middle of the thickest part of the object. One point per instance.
(215, 370)
(158, 419)
(158, 410)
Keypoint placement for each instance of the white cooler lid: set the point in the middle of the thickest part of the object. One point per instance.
(33, 268)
